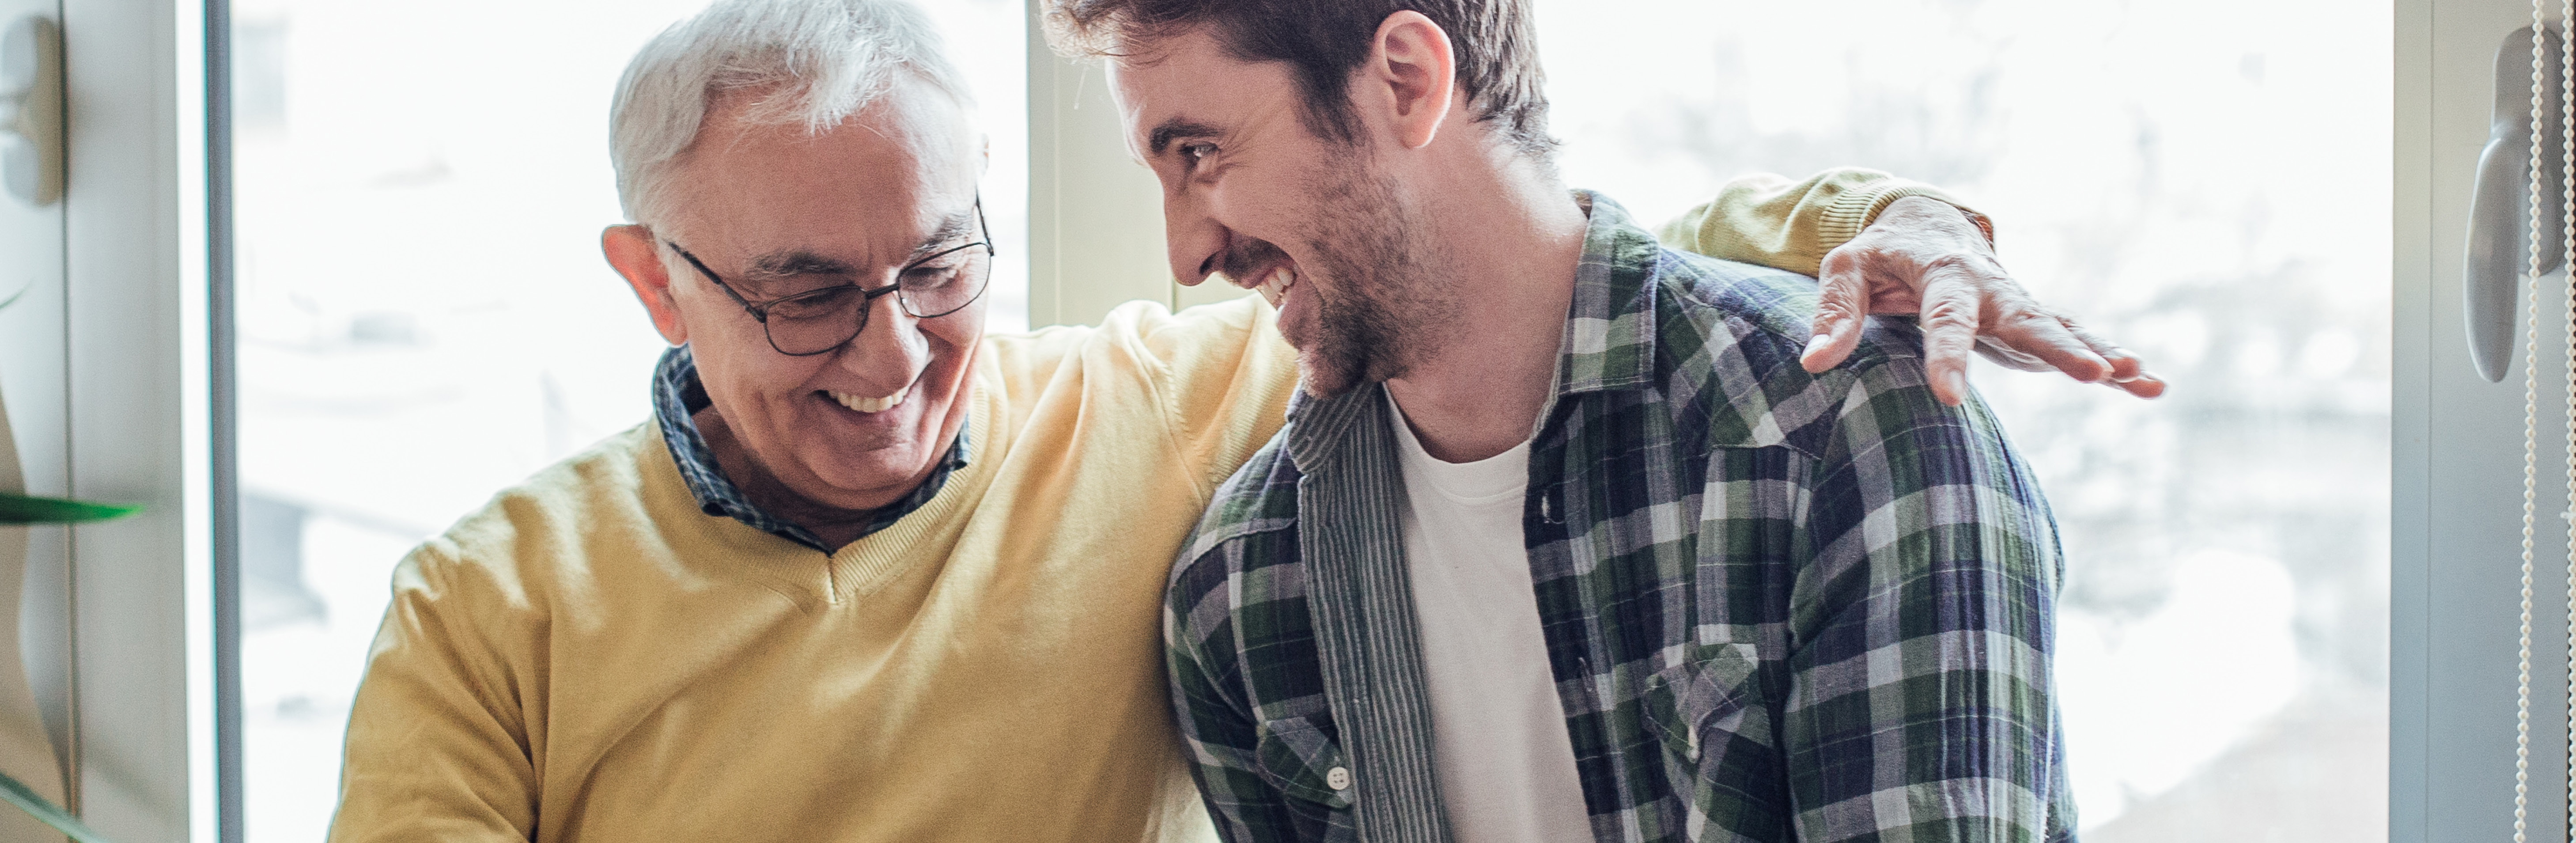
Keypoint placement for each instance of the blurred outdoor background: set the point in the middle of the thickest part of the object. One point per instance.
(2203, 180)
(425, 319)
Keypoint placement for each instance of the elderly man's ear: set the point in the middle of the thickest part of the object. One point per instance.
(637, 256)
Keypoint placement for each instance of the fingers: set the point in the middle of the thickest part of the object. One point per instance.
(2128, 373)
(1958, 291)
(2143, 386)
(2003, 355)
(2047, 337)
(2124, 365)
(1949, 322)
(1840, 308)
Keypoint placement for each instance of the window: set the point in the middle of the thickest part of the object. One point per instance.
(415, 216)
(2215, 195)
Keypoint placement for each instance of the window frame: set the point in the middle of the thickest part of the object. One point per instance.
(2456, 473)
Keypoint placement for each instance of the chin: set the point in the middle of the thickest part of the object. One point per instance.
(1323, 380)
(855, 480)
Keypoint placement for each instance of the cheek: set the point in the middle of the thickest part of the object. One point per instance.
(1282, 209)
(713, 322)
(953, 337)
(757, 376)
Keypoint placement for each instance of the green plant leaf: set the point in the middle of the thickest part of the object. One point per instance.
(21, 509)
(16, 793)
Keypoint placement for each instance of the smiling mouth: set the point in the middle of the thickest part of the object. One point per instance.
(1275, 285)
(870, 405)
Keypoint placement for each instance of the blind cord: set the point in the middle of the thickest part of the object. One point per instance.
(2530, 431)
(2567, 311)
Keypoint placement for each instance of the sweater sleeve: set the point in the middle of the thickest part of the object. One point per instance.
(1223, 376)
(1768, 220)
(439, 746)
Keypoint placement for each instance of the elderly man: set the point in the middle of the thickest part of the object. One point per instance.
(869, 574)
(1563, 545)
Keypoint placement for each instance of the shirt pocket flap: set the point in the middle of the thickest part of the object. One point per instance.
(1684, 699)
(1301, 760)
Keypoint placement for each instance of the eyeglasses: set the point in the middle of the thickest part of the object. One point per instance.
(819, 320)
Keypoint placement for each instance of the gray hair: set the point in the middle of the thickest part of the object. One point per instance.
(815, 62)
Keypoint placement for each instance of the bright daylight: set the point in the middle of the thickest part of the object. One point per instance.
(573, 420)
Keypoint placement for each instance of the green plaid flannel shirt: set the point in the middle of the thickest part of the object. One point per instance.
(1778, 606)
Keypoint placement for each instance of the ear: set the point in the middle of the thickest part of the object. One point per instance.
(635, 253)
(1410, 65)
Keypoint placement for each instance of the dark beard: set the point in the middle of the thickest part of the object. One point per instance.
(1386, 309)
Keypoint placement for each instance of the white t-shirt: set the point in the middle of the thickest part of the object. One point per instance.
(1505, 763)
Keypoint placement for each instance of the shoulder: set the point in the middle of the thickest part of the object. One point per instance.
(1732, 337)
(1146, 328)
(1022, 363)
(1143, 343)
(530, 537)
(1208, 345)
(1249, 532)
(1755, 304)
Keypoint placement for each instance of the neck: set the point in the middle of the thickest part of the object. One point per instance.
(835, 525)
(1513, 239)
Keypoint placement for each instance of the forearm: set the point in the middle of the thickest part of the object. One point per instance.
(1771, 221)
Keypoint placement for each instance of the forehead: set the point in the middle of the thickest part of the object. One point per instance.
(1191, 76)
(874, 183)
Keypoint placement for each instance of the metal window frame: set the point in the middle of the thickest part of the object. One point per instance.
(2456, 474)
(138, 399)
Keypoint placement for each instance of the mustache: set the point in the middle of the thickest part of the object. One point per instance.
(1245, 257)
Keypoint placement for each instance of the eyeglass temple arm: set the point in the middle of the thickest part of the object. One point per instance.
(756, 311)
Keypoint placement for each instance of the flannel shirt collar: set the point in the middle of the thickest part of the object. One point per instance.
(677, 398)
(1610, 327)
(1609, 342)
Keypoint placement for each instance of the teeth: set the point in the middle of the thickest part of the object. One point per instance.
(870, 405)
(1275, 287)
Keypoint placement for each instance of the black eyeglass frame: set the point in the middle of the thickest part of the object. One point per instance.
(867, 298)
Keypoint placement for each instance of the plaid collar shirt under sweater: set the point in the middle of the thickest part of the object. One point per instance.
(1777, 606)
(677, 398)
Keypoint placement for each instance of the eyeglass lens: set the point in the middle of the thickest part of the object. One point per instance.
(819, 321)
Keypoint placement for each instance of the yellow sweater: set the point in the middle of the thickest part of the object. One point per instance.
(593, 658)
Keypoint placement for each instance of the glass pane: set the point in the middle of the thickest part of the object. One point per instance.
(2214, 195)
(421, 191)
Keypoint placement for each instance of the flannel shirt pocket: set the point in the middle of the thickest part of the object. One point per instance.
(1683, 700)
(1299, 758)
(1696, 708)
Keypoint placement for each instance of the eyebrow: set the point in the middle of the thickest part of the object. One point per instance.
(954, 228)
(794, 262)
(1161, 138)
(799, 262)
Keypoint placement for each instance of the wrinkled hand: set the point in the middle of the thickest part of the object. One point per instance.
(1923, 256)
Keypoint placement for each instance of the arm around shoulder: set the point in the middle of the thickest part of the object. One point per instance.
(1768, 220)
(1224, 376)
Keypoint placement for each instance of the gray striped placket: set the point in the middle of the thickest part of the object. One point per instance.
(1362, 606)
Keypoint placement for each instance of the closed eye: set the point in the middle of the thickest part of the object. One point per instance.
(933, 276)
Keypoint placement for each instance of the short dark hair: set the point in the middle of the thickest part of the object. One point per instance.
(1494, 41)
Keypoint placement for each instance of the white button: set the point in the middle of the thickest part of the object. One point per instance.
(1338, 778)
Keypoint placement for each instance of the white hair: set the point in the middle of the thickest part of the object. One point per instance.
(815, 62)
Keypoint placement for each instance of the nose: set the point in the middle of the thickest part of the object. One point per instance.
(1197, 242)
(890, 350)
